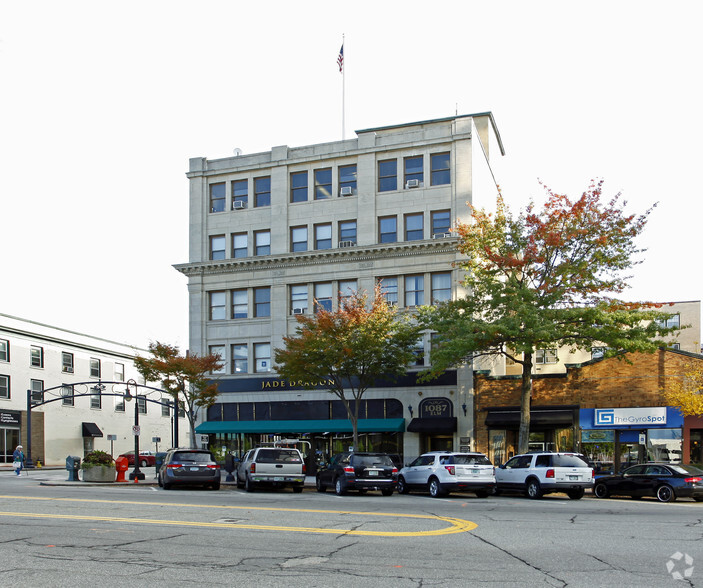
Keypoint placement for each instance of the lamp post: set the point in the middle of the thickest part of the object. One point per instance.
(136, 474)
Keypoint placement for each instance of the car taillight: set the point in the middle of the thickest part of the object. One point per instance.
(348, 470)
(450, 469)
(174, 465)
(252, 469)
(692, 480)
(593, 473)
(305, 471)
(550, 473)
(395, 471)
(213, 466)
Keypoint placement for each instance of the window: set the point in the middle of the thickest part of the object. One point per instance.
(66, 362)
(674, 346)
(387, 175)
(439, 169)
(673, 321)
(4, 386)
(240, 360)
(96, 397)
(119, 372)
(217, 306)
(119, 404)
(4, 350)
(440, 222)
(598, 352)
(217, 197)
(95, 370)
(262, 357)
(389, 289)
(347, 178)
(299, 186)
(219, 351)
(67, 395)
(347, 232)
(36, 356)
(387, 229)
(240, 193)
(347, 288)
(141, 403)
(413, 227)
(323, 297)
(165, 408)
(217, 247)
(262, 301)
(262, 242)
(239, 245)
(413, 171)
(546, 356)
(441, 287)
(323, 183)
(323, 236)
(299, 299)
(414, 290)
(299, 239)
(262, 191)
(419, 352)
(239, 304)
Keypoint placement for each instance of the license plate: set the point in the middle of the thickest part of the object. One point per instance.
(194, 469)
(474, 472)
(373, 473)
(574, 477)
(278, 479)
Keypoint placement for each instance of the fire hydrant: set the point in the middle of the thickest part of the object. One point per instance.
(121, 465)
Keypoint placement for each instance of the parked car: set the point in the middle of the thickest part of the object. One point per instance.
(276, 467)
(358, 471)
(442, 472)
(186, 467)
(146, 458)
(536, 474)
(665, 481)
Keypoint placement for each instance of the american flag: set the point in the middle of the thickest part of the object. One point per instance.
(340, 59)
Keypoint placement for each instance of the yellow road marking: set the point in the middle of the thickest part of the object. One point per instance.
(455, 525)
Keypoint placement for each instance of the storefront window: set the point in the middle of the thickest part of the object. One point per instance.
(664, 445)
(496, 447)
(696, 453)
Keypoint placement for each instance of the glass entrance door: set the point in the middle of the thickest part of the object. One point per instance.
(9, 439)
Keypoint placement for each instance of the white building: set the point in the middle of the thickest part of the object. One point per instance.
(78, 378)
(273, 234)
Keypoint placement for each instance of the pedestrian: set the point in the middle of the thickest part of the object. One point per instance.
(18, 460)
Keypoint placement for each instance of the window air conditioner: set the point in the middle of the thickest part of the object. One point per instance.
(441, 235)
(238, 205)
(347, 243)
(298, 311)
(412, 184)
(346, 191)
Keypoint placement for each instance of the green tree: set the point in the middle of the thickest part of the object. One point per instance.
(349, 349)
(187, 378)
(545, 279)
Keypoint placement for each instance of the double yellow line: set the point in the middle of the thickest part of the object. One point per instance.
(455, 525)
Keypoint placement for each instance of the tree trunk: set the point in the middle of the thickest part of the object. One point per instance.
(355, 424)
(525, 404)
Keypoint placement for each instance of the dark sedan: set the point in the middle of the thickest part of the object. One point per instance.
(189, 467)
(358, 471)
(664, 481)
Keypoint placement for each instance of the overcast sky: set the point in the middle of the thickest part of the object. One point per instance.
(103, 103)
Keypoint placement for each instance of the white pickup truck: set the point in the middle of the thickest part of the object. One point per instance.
(271, 466)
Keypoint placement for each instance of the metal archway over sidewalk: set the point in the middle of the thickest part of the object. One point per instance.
(59, 394)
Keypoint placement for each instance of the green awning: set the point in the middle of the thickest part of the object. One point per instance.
(310, 426)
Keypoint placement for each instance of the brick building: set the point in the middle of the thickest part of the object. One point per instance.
(610, 409)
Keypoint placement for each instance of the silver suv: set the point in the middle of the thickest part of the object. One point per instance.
(441, 472)
(537, 474)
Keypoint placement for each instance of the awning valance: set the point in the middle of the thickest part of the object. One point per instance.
(433, 425)
(91, 430)
(510, 418)
(302, 426)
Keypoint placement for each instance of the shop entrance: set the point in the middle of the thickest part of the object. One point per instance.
(9, 439)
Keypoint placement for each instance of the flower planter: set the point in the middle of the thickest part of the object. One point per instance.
(99, 473)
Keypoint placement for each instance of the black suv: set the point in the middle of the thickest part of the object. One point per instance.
(358, 471)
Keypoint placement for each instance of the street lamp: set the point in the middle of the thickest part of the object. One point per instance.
(136, 474)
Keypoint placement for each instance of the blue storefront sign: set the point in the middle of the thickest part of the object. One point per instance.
(653, 417)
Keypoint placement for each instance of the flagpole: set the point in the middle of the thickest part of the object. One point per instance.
(344, 71)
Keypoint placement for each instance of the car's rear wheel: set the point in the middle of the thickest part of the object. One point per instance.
(402, 486)
(248, 484)
(215, 485)
(698, 498)
(142, 463)
(320, 486)
(434, 488)
(600, 490)
(534, 490)
(387, 491)
(576, 494)
(167, 486)
(339, 487)
(665, 493)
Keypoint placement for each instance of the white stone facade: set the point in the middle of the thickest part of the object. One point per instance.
(42, 358)
(295, 225)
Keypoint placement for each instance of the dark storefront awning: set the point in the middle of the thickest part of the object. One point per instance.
(303, 426)
(433, 425)
(510, 418)
(91, 430)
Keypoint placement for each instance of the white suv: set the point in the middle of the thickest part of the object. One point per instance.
(440, 472)
(537, 474)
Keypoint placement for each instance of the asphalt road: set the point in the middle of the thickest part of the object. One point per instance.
(139, 535)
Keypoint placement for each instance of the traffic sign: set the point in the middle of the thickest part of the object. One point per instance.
(135, 430)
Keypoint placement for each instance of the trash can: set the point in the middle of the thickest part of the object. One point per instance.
(73, 464)
(160, 456)
(229, 467)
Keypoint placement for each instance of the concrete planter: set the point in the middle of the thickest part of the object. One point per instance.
(99, 473)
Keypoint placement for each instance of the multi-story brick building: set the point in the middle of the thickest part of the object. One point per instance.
(275, 234)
